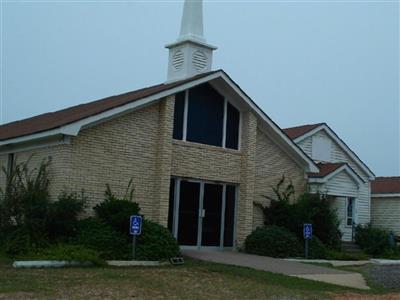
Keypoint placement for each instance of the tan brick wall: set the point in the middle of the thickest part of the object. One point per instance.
(59, 169)
(116, 151)
(248, 177)
(205, 162)
(163, 163)
(139, 145)
(272, 163)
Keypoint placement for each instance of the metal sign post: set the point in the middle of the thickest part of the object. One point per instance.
(135, 228)
(307, 234)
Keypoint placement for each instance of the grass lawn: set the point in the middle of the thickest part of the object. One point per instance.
(194, 280)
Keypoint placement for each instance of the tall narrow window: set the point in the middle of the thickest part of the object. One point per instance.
(232, 127)
(171, 204)
(229, 215)
(205, 116)
(350, 211)
(179, 115)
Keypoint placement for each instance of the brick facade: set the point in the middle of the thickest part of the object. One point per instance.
(139, 145)
(272, 163)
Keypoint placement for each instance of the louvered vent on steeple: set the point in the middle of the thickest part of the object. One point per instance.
(190, 54)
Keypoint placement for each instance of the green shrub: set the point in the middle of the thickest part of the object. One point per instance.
(280, 212)
(156, 243)
(393, 253)
(116, 212)
(23, 206)
(66, 252)
(373, 241)
(62, 216)
(309, 208)
(273, 241)
(96, 235)
(340, 255)
(21, 241)
(316, 209)
(316, 249)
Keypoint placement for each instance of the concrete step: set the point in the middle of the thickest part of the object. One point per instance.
(351, 247)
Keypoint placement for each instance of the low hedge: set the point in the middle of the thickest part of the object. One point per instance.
(273, 241)
(372, 241)
(65, 252)
(156, 243)
(96, 235)
(316, 249)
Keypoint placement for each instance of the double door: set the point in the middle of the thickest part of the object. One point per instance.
(203, 213)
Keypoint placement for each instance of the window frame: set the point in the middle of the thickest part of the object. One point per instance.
(321, 148)
(224, 125)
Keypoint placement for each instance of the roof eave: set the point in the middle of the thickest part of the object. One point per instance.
(332, 174)
(74, 128)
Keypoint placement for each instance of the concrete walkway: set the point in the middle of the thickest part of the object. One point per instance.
(275, 265)
(334, 263)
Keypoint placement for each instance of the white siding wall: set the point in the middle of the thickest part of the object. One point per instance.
(342, 185)
(306, 145)
(385, 213)
(339, 155)
(339, 204)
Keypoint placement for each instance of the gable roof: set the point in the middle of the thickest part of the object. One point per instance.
(72, 114)
(329, 170)
(69, 122)
(299, 133)
(386, 185)
(325, 169)
(295, 132)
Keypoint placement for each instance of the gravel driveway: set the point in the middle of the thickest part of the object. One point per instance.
(388, 276)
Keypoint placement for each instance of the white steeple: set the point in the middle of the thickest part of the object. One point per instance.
(190, 54)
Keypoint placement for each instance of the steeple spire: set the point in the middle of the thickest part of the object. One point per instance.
(190, 54)
(192, 21)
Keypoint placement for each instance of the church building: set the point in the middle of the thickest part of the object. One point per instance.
(200, 152)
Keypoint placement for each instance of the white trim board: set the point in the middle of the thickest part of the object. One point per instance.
(74, 128)
(388, 195)
(46, 142)
(344, 168)
(341, 144)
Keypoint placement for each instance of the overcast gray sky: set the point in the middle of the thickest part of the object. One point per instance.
(302, 62)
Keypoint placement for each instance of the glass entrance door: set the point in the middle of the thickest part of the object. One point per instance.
(189, 206)
(202, 214)
(211, 221)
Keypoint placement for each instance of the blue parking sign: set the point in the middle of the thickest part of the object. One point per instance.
(307, 231)
(135, 227)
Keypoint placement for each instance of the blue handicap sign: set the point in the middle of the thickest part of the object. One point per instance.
(307, 231)
(135, 227)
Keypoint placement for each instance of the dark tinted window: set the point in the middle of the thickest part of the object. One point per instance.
(178, 115)
(171, 204)
(229, 215)
(205, 116)
(212, 204)
(188, 213)
(232, 127)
